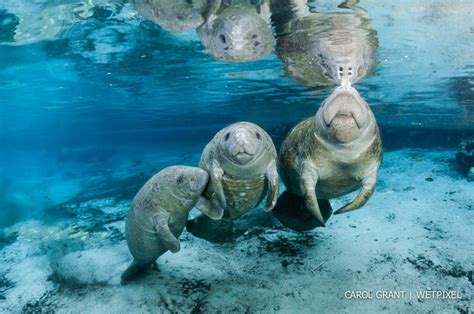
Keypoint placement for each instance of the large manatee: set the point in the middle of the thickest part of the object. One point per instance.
(336, 152)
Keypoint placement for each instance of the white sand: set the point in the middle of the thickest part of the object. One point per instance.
(413, 235)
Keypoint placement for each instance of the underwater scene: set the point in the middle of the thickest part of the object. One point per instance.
(236, 156)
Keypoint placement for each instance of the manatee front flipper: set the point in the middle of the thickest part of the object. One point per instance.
(210, 208)
(292, 212)
(216, 180)
(216, 231)
(309, 178)
(134, 269)
(273, 187)
(161, 222)
(368, 188)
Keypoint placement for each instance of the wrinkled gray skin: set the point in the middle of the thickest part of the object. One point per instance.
(241, 162)
(324, 49)
(176, 16)
(159, 212)
(337, 151)
(239, 31)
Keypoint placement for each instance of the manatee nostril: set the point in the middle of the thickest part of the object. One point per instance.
(227, 136)
(340, 72)
(258, 136)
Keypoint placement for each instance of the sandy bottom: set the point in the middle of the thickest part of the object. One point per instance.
(415, 235)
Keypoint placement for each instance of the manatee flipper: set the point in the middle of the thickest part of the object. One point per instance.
(210, 208)
(161, 222)
(134, 269)
(292, 212)
(216, 231)
(309, 178)
(273, 187)
(368, 188)
(216, 180)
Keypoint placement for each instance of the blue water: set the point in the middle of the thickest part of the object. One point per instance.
(90, 93)
(94, 100)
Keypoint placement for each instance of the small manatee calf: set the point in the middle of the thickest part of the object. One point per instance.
(159, 212)
(241, 161)
(337, 151)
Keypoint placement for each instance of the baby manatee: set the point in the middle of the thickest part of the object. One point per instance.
(331, 154)
(159, 212)
(241, 162)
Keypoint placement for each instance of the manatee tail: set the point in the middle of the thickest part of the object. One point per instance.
(215, 231)
(291, 211)
(133, 270)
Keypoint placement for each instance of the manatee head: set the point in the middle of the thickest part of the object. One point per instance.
(237, 35)
(242, 142)
(344, 115)
(187, 181)
(176, 16)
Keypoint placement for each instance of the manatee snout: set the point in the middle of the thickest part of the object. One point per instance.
(345, 114)
(241, 144)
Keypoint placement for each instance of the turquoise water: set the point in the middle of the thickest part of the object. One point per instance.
(94, 100)
(83, 89)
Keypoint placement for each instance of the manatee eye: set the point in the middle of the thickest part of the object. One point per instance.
(180, 179)
(222, 38)
(227, 136)
(258, 136)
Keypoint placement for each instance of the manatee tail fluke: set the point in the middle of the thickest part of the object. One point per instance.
(292, 212)
(133, 270)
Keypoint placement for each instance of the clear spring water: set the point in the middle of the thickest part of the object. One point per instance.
(82, 96)
(92, 105)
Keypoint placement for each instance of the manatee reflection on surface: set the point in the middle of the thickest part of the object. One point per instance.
(320, 49)
(176, 16)
(239, 31)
